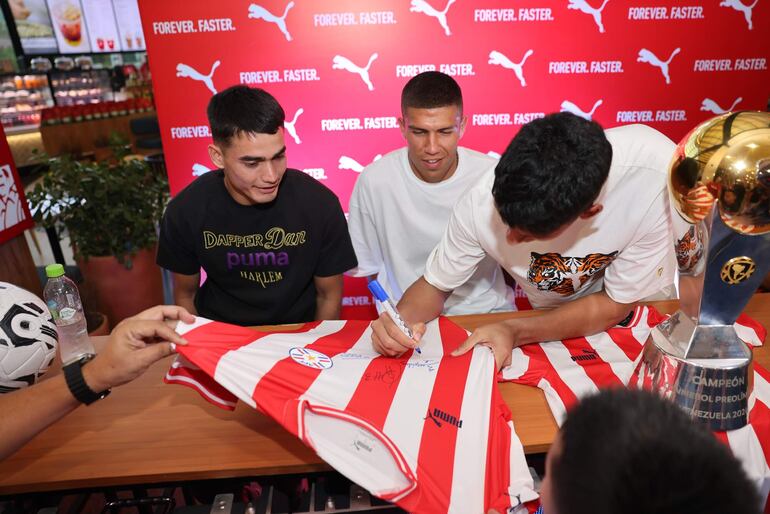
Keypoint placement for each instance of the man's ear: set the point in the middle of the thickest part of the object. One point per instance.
(592, 211)
(215, 154)
(463, 123)
(402, 125)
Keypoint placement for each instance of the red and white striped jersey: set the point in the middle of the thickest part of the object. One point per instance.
(427, 431)
(570, 369)
(574, 368)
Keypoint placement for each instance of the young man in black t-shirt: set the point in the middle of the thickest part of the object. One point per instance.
(272, 241)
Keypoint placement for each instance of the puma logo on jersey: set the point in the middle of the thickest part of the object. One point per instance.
(566, 275)
(587, 355)
(437, 416)
(360, 445)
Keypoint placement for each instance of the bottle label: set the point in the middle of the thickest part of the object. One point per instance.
(67, 313)
(54, 308)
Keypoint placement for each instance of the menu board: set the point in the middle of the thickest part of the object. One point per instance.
(77, 26)
(34, 26)
(129, 25)
(69, 26)
(102, 29)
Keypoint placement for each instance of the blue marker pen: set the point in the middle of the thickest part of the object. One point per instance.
(387, 304)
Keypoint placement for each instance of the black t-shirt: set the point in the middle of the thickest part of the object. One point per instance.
(260, 260)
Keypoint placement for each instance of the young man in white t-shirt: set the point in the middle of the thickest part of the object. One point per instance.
(579, 217)
(401, 203)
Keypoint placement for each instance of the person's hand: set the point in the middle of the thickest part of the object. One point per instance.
(499, 337)
(389, 340)
(133, 346)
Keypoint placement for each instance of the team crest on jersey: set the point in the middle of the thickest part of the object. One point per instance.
(689, 249)
(566, 275)
(310, 358)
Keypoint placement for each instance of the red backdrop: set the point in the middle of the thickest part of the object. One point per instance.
(338, 66)
(14, 212)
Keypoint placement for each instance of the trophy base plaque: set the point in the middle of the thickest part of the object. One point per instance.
(706, 370)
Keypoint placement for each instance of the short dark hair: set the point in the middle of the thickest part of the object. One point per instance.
(431, 89)
(243, 109)
(551, 172)
(633, 452)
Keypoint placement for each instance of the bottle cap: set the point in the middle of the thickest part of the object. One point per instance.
(54, 270)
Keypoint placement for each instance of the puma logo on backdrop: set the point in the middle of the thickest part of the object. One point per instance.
(290, 128)
(186, 71)
(584, 7)
(713, 107)
(652, 59)
(348, 163)
(567, 106)
(496, 58)
(343, 63)
(741, 7)
(199, 169)
(258, 12)
(422, 6)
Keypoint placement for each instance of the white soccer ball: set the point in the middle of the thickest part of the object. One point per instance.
(28, 338)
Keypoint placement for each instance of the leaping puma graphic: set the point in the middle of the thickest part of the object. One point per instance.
(650, 58)
(186, 71)
(422, 6)
(711, 106)
(260, 13)
(741, 7)
(567, 106)
(584, 7)
(290, 128)
(343, 63)
(497, 58)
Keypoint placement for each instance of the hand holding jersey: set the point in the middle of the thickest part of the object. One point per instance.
(577, 216)
(134, 345)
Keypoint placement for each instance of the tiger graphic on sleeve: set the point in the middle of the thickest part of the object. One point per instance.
(689, 249)
(566, 275)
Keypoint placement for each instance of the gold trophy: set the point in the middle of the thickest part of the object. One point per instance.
(719, 184)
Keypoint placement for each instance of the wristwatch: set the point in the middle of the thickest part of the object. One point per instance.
(73, 374)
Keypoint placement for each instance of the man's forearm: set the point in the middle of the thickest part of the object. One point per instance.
(421, 302)
(25, 413)
(586, 316)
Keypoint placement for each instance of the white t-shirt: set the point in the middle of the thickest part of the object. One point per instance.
(627, 248)
(396, 219)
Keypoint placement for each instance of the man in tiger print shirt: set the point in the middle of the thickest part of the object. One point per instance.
(577, 215)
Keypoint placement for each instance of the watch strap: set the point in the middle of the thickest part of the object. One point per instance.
(73, 374)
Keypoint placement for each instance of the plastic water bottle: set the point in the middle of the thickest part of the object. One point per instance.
(63, 300)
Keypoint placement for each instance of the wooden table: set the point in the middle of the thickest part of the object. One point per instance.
(149, 432)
